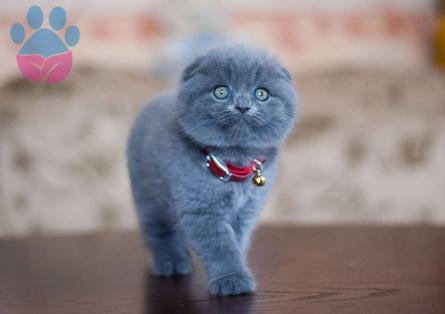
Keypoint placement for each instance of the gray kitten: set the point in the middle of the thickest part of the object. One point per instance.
(192, 156)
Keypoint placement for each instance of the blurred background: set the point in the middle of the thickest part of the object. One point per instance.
(369, 146)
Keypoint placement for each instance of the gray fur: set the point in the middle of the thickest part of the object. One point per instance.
(179, 200)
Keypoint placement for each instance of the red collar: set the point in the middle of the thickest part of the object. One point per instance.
(226, 171)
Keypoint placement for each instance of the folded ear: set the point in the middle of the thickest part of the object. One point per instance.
(285, 72)
(191, 69)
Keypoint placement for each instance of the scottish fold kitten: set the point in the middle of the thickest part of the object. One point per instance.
(192, 154)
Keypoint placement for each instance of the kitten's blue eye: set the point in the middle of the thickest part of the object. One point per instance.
(221, 92)
(261, 94)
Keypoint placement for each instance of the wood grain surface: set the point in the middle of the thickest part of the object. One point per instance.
(298, 270)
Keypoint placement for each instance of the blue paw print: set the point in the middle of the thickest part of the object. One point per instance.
(45, 41)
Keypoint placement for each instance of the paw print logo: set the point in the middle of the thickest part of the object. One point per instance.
(44, 56)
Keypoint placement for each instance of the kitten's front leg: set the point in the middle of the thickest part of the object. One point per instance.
(243, 225)
(245, 219)
(214, 240)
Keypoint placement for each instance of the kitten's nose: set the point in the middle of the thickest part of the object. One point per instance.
(242, 104)
(242, 109)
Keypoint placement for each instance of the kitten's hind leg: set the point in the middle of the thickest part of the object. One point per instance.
(170, 255)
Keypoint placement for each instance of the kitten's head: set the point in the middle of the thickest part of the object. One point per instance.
(236, 96)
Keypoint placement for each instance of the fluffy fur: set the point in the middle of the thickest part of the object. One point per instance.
(179, 200)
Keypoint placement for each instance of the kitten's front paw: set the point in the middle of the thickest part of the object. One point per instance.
(232, 284)
(172, 266)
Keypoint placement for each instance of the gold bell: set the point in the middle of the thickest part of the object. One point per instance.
(258, 179)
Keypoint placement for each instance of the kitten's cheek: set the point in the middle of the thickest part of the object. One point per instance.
(212, 115)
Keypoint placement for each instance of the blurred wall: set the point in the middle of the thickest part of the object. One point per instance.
(307, 35)
(368, 148)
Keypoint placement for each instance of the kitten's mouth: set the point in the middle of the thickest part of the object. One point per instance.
(245, 122)
(237, 120)
(243, 118)
(251, 119)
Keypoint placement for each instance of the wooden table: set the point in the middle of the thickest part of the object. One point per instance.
(298, 270)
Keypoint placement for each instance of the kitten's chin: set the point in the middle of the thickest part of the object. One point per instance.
(222, 139)
(240, 133)
(243, 135)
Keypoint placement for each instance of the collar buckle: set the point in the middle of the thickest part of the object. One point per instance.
(221, 165)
